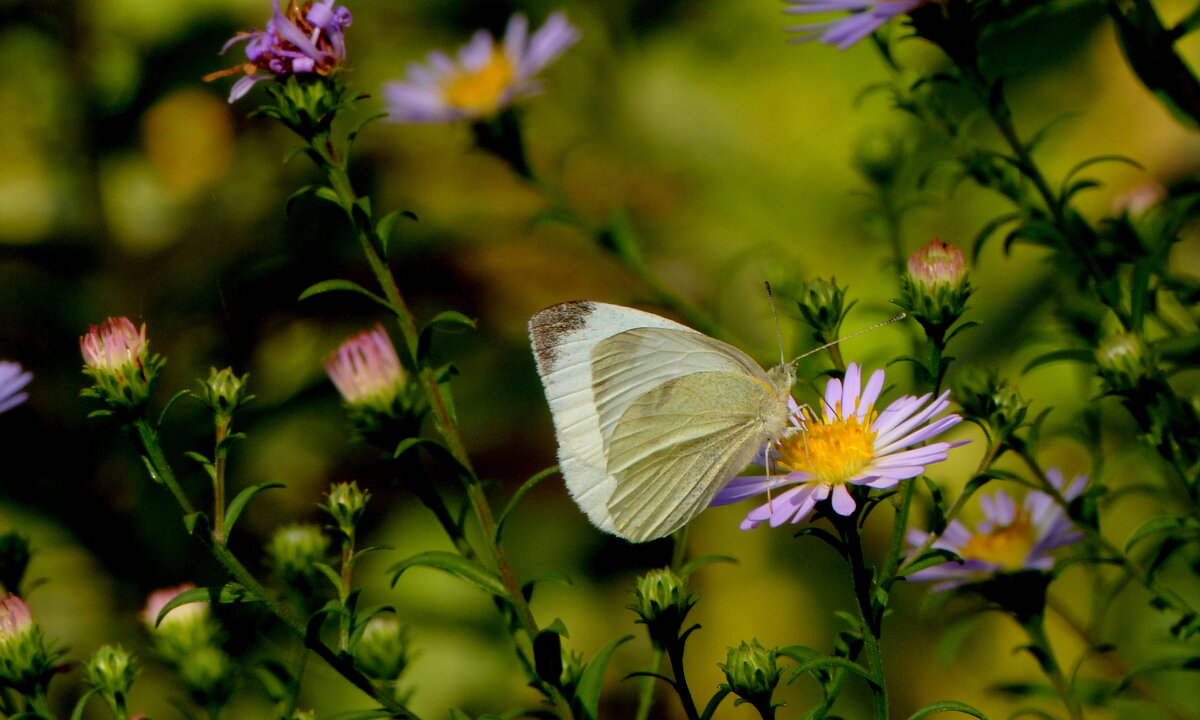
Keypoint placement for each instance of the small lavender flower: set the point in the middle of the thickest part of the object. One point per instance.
(486, 78)
(307, 38)
(866, 17)
(1011, 538)
(850, 445)
(367, 371)
(12, 379)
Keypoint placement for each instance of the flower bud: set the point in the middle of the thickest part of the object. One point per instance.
(14, 559)
(752, 674)
(823, 306)
(207, 673)
(878, 156)
(345, 503)
(382, 650)
(184, 629)
(25, 664)
(382, 404)
(111, 672)
(662, 602)
(116, 356)
(936, 287)
(985, 398)
(295, 550)
(1123, 360)
(224, 393)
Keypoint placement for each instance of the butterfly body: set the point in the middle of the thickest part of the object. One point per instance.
(652, 417)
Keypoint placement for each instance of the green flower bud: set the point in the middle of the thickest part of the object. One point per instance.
(224, 393)
(936, 288)
(382, 650)
(988, 400)
(662, 603)
(295, 550)
(823, 306)
(25, 663)
(111, 672)
(345, 503)
(116, 355)
(1124, 361)
(14, 559)
(751, 673)
(207, 673)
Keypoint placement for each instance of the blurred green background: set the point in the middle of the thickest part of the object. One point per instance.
(130, 187)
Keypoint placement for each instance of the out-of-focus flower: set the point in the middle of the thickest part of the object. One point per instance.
(851, 444)
(295, 550)
(486, 77)
(382, 650)
(25, 664)
(866, 16)
(111, 672)
(185, 613)
(12, 380)
(1010, 539)
(366, 370)
(117, 356)
(989, 400)
(306, 38)
(823, 306)
(1123, 360)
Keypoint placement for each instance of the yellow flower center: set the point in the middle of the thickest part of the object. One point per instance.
(832, 451)
(481, 92)
(1006, 546)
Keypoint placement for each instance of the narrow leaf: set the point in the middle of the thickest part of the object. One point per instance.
(947, 706)
(528, 485)
(1161, 524)
(446, 318)
(239, 503)
(457, 566)
(587, 691)
(696, 563)
(346, 285)
(1072, 355)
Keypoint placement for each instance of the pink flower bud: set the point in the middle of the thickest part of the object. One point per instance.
(114, 347)
(937, 264)
(366, 370)
(15, 619)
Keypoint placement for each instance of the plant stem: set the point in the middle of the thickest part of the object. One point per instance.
(871, 617)
(344, 623)
(1035, 627)
(220, 456)
(675, 654)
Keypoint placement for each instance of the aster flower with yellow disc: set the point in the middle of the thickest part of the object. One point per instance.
(485, 77)
(1011, 538)
(848, 444)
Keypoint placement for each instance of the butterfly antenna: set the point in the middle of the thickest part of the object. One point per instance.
(775, 317)
(876, 326)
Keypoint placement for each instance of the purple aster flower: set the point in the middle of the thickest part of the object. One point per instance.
(850, 444)
(12, 379)
(1010, 539)
(366, 370)
(866, 17)
(307, 38)
(486, 77)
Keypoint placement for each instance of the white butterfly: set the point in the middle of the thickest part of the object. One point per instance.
(653, 418)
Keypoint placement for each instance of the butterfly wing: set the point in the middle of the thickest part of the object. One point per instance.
(595, 361)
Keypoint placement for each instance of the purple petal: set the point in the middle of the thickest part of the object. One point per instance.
(843, 504)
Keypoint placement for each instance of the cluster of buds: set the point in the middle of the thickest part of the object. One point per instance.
(381, 651)
(305, 39)
(990, 402)
(224, 392)
(383, 405)
(111, 672)
(936, 288)
(662, 603)
(25, 663)
(823, 306)
(752, 674)
(116, 355)
(188, 639)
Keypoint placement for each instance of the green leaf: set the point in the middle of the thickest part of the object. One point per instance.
(1071, 355)
(362, 715)
(1161, 524)
(302, 192)
(239, 503)
(228, 594)
(328, 193)
(174, 398)
(831, 661)
(438, 450)
(591, 680)
(528, 485)
(77, 713)
(191, 520)
(383, 228)
(548, 576)
(457, 566)
(698, 562)
(1186, 662)
(345, 285)
(989, 229)
(928, 559)
(450, 318)
(715, 702)
(947, 706)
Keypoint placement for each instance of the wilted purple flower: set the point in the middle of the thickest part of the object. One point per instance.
(1010, 539)
(307, 38)
(850, 445)
(366, 370)
(866, 17)
(486, 78)
(12, 379)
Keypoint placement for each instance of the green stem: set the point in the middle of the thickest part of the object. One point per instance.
(872, 617)
(649, 684)
(344, 623)
(1035, 627)
(675, 654)
(220, 457)
(38, 704)
(148, 443)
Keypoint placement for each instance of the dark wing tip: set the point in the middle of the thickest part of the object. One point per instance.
(548, 327)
